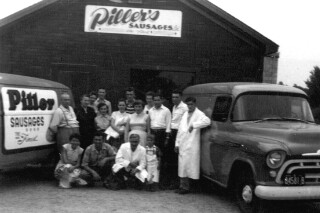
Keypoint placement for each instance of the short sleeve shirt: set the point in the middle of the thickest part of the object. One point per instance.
(92, 156)
(102, 122)
(72, 154)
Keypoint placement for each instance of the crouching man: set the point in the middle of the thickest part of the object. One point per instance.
(97, 161)
(130, 164)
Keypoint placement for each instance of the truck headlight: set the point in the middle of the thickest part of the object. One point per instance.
(275, 159)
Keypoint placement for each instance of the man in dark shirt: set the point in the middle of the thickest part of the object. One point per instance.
(85, 116)
(97, 160)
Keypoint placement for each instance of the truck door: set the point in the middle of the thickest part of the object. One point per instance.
(214, 146)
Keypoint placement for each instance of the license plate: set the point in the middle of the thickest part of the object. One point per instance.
(294, 180)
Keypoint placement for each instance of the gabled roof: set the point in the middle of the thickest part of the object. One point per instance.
(204, 7)
(25, 12)
(231, 24)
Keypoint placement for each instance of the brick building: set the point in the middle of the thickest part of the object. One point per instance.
(148, 44)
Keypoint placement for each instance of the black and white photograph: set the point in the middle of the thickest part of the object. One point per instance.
(169, 106)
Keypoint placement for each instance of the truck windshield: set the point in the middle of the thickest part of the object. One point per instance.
(269, 106)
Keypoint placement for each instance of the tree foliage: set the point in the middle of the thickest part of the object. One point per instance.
(313, 83)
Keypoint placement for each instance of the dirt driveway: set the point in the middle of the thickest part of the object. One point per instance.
(31, 190)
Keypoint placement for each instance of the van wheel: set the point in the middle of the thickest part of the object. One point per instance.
(244, 193)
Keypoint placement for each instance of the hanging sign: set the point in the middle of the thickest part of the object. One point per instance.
(135, 21)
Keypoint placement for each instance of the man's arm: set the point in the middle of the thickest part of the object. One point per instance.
(120, 158)
(142, 161)
(56, 119)
(110, 157)
(109, 108)
(168, 121)
(85, 165)
(202, 121)
(168, 127)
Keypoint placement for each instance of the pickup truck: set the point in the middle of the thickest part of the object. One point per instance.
(263, 142)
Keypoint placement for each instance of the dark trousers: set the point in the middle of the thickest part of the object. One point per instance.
(104, 171)
(120, 179)
(160, 137)
(172, 158)
(86, 138)
(116, 142)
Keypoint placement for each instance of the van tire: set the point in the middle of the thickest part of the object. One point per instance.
(244, 186)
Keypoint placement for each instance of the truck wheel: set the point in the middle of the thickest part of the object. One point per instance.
(244, 193)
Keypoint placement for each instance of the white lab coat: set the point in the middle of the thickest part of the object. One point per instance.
(125, 156)
(189, 143)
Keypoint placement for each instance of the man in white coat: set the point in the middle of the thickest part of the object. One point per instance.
(188, 144)
(130, 162)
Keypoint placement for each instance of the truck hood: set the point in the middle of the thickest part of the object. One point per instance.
(299, 138)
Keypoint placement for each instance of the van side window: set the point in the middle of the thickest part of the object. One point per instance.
(221, 108)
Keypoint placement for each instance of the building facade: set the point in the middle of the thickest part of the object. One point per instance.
(148, 44)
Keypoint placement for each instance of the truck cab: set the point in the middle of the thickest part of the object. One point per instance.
(263, 142)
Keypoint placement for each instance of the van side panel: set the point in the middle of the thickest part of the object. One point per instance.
(25, 114)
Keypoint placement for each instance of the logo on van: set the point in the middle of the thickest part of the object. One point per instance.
(29, 101)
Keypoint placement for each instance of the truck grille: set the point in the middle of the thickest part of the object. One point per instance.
(310, 168)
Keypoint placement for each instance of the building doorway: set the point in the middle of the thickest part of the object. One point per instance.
(79, 78)
(144, 80)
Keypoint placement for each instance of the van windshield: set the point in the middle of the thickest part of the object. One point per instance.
(271, 106)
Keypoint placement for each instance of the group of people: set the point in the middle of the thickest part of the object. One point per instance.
(140, 145)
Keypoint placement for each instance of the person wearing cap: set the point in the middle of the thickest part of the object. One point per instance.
(130, 163)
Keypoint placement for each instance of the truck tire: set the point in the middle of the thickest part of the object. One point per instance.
(244, 186)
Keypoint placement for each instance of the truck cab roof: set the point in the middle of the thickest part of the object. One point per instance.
(10, 79)
(236, 88)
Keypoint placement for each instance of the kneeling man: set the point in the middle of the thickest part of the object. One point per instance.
(131, 162)
(97, 160)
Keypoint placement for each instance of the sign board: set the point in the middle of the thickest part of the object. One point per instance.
(27, 115)
(135, 21)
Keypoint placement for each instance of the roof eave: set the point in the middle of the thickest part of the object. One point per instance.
(270, 46)
(25, 12)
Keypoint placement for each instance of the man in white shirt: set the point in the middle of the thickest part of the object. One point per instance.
(149, 101)
(179, 108)
(160, 122)
(130, 162)
(102, 99)
(64, 121)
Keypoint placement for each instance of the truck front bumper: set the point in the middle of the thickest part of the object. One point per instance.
(288, 193)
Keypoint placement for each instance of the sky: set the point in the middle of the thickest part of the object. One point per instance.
(292, 24)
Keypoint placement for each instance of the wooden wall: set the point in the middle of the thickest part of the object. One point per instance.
(51, 43)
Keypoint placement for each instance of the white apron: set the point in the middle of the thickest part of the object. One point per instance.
(189, 144)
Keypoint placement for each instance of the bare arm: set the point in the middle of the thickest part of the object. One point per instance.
(126, 132)
(148, 125)
(113, 125)
(64, 158)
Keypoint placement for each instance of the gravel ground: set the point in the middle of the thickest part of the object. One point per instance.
(31, 190)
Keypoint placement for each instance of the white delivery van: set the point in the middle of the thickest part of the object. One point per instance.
(26, 108)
